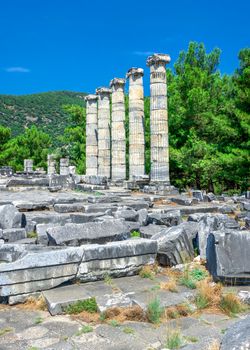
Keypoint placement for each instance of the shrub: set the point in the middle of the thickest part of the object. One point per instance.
(128, 330)
(84, 329)
(88, 305)
(174, 339)
(231, 304)
(154, 311)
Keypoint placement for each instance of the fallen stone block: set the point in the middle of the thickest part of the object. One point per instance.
(182, 200)
(10, 217)
(174, 246)
(47, 217)
(237, 336)
(31, 206)
(86, 217)
(36, 269)
(150, 230)
(228, 255)
(28, 182)
(171, 218)
(61, 181)
(143, 217)
(127, 214)
(41, 231)
(14, 234)
(245, 206)
(69, 208)
(198, 195)
(137, 204)
(116, 259)
(97, 208)
(91, 232)
(104, 199)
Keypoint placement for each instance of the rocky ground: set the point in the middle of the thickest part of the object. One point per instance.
(35, 221)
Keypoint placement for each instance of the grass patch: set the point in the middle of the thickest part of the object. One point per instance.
(114, 323)
(177, 311)
(174, 339)
(231, 304)
(128, 330)
(154, 311)
(108, 280)
(191, 277)
(147, 272)
(191, 339)
(32, 234)
(5, 330)
(34, 304)
(208, 295)
(38, 320)
(84, 329)
(88, 305)
(171, 286)
(135, 234)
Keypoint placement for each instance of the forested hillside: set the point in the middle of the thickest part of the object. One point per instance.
(43, 110)
(209, 124)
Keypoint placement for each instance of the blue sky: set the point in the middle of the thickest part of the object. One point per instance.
(79, 45)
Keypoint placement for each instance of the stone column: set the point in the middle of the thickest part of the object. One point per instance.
(28, 165)
(51, 165)
(64, 166)
(136, 123)
(104, 160)
(91, 135)
(118, 136)
(159, 118)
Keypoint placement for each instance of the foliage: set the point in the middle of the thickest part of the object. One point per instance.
(135, 234)
(154, 311)
(191, 277)
(146, 272)
(209, 124)
(84, 329)
(231, 304)
(88, 305)
(114, 323)
(128, 330)
(174, 339)
(32, 144)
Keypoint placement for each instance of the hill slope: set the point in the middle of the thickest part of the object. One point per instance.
(43, 109)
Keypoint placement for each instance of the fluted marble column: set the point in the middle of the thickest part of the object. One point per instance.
(104, 156)
(118, 136)
(136, 123)
(28, 165)
(51, 165)
(91, 135)
(64, 166)
(159, 118)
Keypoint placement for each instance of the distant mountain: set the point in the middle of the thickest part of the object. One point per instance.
(43, 110)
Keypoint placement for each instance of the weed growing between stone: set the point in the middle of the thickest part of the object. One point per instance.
(114, 323)
(177, 311)
(4, 331)
(84, 329)
(191, 277)
(231, 304)
(174, 339)
(88, 305)
(135, 234)
(215, 345)
(34, 304)
(154, 311)
(32, 234)
(208, 295)
(147, 272)
(128, 330)
(171, 285)
(38, 320)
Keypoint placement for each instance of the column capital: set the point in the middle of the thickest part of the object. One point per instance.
(117, 81)
(91, 97)
(158, 58)
(103, 91)
(134, 71)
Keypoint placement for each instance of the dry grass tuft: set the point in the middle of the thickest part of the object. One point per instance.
(122, 314)
(231, 304)
(171, 285)
(86, 316)
(177, 311)
(215, 345)
(208, 294)
(148, 271)
(34, 304)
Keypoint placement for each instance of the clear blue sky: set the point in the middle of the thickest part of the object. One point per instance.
(79, 45)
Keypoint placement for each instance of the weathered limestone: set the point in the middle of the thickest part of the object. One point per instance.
(136, 123)
(237, 336)
(227, 255)
(91, 135)
(118, 168)
(159, 118)
(10, 217)
(51, 165)
(104, 155)
(28, 165)
(116, 258)
(64, 166)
